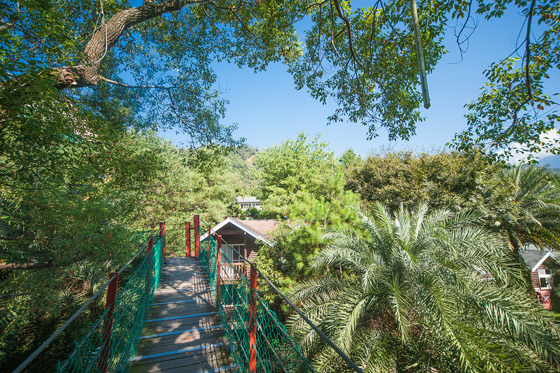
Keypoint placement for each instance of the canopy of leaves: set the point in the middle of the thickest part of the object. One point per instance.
(363, 57)
(521, 202)
(446, 180)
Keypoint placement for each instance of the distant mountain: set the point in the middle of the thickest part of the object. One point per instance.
(553, 161)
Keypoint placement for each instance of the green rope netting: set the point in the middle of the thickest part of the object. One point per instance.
(133, 300)
(276, 350)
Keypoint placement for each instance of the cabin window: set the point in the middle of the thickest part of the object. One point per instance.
(544, 278)
(233, 252)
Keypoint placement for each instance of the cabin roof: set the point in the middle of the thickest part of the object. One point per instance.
(259, 229)
(534, 256)
(248, 199)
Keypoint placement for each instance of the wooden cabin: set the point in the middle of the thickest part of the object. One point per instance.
(244, 238)
(248, 202)
(540, 263)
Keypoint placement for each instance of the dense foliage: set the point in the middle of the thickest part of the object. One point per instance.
(70, 208)
(77, 208)
(310, 200)
(411, 296)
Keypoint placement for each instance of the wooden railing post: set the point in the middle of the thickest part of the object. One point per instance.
(148, 281)
(188, 239)
(218, 270)
(196, 234)
(253, 321)
(108, 322)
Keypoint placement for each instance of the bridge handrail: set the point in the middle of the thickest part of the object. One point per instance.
(46, 343)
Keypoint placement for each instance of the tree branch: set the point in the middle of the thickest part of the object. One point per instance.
(528, 51)
(86, 73)
(141, 86)
(16, 295)
(527, 74)
(4, 25)
(348, 32)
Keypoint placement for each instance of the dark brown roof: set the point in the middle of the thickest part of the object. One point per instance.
(263, 228)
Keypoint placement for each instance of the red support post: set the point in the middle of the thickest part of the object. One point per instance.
(108, 322)
(196, 235)
(253, 321)
(162, 238)
(188, 238)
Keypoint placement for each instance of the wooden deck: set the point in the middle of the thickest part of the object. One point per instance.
(183, 332)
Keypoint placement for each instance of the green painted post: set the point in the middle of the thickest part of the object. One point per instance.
(148, 280)
(188, 239)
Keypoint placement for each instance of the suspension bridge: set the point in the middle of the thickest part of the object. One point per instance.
(198, 313)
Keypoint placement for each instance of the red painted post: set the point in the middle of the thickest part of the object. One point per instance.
(188, 238)
(196, 235)
(218, 271)
(162, 238)
(253, 321)
(108, 322)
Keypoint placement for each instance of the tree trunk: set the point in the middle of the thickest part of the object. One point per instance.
(86, 73)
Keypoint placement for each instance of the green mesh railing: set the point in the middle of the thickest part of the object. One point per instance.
(276, 350)
(133, 300)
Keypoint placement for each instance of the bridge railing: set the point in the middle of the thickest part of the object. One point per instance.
(259, 341)
(110, 341)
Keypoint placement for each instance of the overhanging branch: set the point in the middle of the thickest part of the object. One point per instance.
(141, 86)
(341, 15)
(86, 73)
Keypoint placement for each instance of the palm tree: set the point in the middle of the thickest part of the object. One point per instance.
(423, 292)
(535, 215)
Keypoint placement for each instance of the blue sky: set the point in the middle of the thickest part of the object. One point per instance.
(268, 109)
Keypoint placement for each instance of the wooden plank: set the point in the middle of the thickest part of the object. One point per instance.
(207, 360)
(180, 341)
(177, 309)
(176, 325)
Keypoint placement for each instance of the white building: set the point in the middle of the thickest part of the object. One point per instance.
(248, 202)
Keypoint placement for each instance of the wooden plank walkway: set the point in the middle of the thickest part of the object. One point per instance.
(183, 331)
